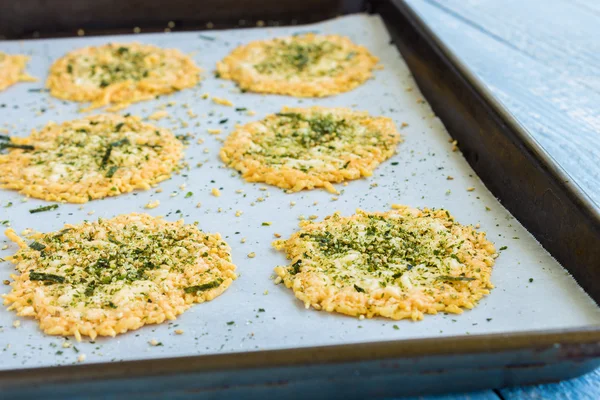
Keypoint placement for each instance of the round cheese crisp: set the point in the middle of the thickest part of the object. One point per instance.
(120, 74)
(397, 264)
(304, 148)
(12, 70)
(89, 158)
(114, 275)
(304, 66)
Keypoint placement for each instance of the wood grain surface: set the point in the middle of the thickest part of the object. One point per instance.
(541, 58)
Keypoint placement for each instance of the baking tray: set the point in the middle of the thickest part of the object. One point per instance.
(537, 325)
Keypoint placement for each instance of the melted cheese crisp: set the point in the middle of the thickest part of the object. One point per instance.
(12, 70)
(89, 158)
(303, 66)
(120, 74)
(304, 148)
(114, 275)
(397, 264)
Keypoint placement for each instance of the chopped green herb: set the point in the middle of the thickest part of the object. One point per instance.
(40, 276)
(189, 194)
(224, 121)
(203, 287)
(231, 323)
(37, 246)
(359, 289)
(455, 278)
(16, 146)
(241, 109)
(396, 327)
(503, 248)
(44, 208)
(112, 171)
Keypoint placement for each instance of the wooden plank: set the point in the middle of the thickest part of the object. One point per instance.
(542, 60)
(585, 388)
(545, 87)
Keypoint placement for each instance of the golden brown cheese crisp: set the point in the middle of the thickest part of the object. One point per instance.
(12, 70)
(114, 275)
(305, 148)
(303, 66)
(397, 264)
(120, 74)
(89, 158)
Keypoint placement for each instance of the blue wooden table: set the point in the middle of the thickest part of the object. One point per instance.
(541, 58)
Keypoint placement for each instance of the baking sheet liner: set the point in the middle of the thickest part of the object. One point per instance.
(533, 292)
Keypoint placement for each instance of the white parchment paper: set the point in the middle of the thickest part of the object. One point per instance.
(533, 292)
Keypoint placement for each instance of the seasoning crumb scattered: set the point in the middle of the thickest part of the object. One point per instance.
(214, 131)
(243, 240)
(154, 342)
(277, 235)
(251, 255)
(81, 358)
(179, 331)
(470, 189)
(267, 223)
(238, 213)
(449, 177)
(66, 345)
(17, 323)
(152, 204)
(292, 203)
(221, 101)
(158, 115)
(313, 217)
(215, 192)
(198, 205)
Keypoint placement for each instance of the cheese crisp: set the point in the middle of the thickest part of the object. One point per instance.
(12, 70)
(89, 158)
(304, 148)
(120, 74)
(397, 264)
(114, 275)
(304, 66)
